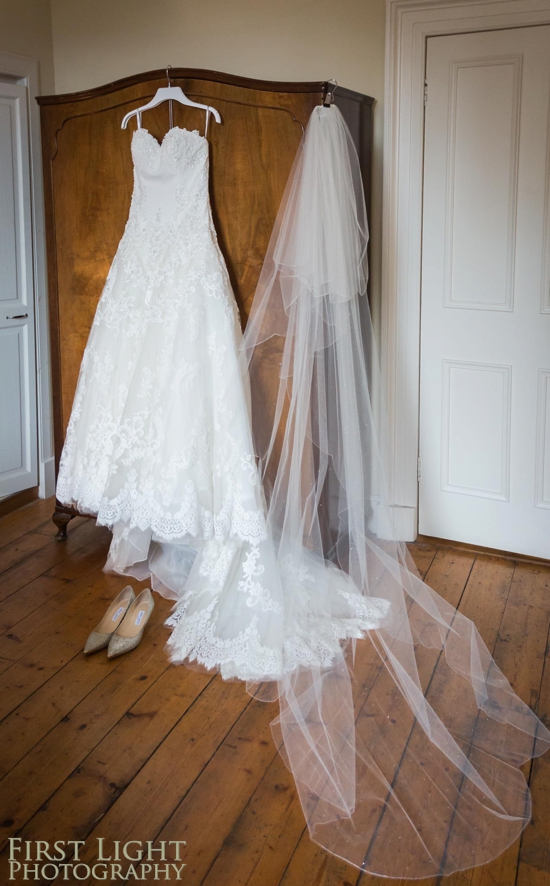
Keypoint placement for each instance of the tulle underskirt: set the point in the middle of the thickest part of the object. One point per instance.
(237, 612)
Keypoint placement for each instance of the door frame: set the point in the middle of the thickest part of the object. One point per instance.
(22, 70)
(409, 23)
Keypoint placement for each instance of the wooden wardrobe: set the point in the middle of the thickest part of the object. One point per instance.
(88, 185)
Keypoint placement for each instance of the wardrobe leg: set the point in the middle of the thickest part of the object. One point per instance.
(61, 518)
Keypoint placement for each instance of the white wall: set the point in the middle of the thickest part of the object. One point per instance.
(100, 40)
(26, 29)
(97, 41)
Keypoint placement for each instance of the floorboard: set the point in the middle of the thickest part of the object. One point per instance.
(534, 855)
(136, 749)
(27, 519)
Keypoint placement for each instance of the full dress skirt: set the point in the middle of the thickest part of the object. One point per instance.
(159, 444)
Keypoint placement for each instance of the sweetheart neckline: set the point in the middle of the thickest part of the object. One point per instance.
(166, 134)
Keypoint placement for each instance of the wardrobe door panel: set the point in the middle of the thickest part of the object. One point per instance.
(91, 199)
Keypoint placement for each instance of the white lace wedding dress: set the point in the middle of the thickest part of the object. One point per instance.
(159, 444)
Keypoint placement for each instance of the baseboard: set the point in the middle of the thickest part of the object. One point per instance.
(18, 500)
(46, 486)
(395, 522)
(479, 549)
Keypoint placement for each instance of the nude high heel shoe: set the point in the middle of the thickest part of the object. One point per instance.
(102, 633)
(130, 631)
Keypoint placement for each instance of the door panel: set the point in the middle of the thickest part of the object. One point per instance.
(482, 179)
(485, 324)
(476, 417)
(18, 406)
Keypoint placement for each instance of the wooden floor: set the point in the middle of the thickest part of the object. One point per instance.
(136, 749)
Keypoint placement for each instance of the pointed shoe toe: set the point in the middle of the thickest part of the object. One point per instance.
(130, 631)
(96, 641)
(120, 645)
(102, 633)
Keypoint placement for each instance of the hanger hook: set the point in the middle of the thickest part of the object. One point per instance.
(329, 97)
(170, 109)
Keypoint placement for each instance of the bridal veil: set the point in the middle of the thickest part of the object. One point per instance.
(406, 748)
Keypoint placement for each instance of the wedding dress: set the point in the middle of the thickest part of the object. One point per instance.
(159, 444)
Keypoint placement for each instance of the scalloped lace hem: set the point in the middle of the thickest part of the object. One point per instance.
(246, 657)
(232, 521)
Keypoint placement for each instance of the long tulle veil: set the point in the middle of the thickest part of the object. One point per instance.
(406, 748)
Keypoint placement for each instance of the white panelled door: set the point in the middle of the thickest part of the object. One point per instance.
(18, 408)
(485, 319)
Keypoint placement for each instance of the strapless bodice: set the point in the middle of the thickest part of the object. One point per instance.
(170, 177)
